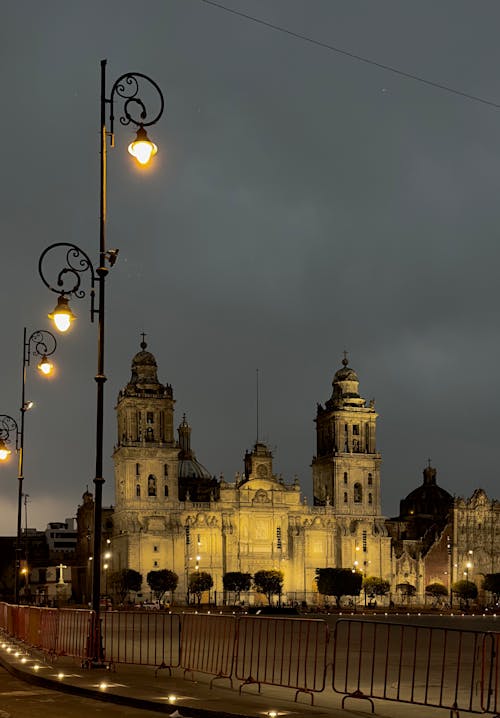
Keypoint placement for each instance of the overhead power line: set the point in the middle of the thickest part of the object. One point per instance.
(352, 55)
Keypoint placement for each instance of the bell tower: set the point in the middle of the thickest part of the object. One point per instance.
(346, 468)
(146, 453)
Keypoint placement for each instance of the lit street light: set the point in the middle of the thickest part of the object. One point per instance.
(40, 343)
(77, 263)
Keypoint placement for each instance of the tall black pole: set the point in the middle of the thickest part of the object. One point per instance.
(100, 378)
(20, 475)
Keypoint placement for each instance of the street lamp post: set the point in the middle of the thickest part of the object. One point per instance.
(40, 343)
(68, 280)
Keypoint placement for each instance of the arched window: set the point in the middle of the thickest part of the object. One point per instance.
(370, 499)
(345, 477)
(166, 490)
(137, 469)
(370, 479)
(165, 470)
(151, 485)
(358, 493)
(138, 490)
(345, 497)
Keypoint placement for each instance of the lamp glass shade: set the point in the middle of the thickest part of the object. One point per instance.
(4, 451)
(45, 366)
(142, 148)
(62, 316)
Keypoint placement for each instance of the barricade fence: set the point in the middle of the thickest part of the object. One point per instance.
(439, 667)
(208, 644)
(286, 652)
(435, 667)
(148, 639)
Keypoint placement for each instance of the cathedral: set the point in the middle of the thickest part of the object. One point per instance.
(171, 513)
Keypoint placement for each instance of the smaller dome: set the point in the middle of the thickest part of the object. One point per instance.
(345, 373)
(144, 358)
(191, 468)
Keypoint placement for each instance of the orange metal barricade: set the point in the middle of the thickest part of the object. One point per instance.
(439, 667)
(73, 630)
(207, 645)
(284, 652)
(47, 640)
(142, 638)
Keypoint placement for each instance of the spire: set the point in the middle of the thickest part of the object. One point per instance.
(143, 343)
(185, 439)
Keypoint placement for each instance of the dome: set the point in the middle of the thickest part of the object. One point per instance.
(428, 499)
(144, 378)
(191, 468)
(144, 358)
(345, 373)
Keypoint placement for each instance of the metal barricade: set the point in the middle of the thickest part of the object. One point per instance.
(73, 630)
(491, 672)
(286, 652)
(207, 645)
(47, 639)
(142, 638)
(439, 667)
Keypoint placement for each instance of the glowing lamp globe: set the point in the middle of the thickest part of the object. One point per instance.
(142, 148)
(62, 316)
(45, 366)
(4, 451)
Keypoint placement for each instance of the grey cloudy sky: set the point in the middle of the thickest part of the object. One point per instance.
(301, 203)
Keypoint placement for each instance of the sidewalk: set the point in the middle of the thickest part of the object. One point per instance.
(139, 687)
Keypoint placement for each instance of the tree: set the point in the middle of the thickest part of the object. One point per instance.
(237, 581)
(491, 583)
(407, 590)
(338, 582)
(375, 586)
(437, 591)
(124, 581)
(270, 583)
(200, 582)
(465, 590)
(162, 581)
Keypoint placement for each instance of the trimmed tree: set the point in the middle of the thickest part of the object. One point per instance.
(375, 586)
(124, 581)
(200, 582)
(236, 581)
(338, 582)
(437, 591)
(491, 583)
(407, 590)
(270, 583)
(465, 590)
(162, 581)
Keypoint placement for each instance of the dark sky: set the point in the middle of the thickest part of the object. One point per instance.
(301, 203)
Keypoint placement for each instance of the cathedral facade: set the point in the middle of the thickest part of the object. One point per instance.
(171, 513)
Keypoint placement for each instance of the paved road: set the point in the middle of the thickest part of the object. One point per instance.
(22, 700)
